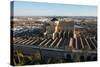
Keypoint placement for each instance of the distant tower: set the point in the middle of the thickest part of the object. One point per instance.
(57, 27)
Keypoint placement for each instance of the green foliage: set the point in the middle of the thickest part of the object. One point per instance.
(20, 59)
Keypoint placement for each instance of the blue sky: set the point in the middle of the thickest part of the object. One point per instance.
(22, 8)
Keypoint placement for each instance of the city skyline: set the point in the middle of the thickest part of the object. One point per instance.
(22, 8)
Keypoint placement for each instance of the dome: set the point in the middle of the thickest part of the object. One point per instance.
(54, 19)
